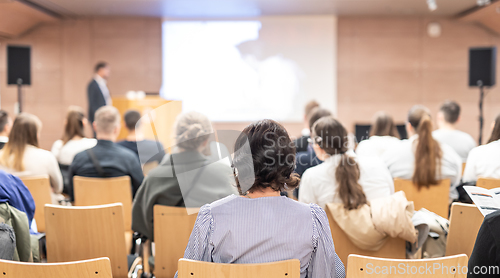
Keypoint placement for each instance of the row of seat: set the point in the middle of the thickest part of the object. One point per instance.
(358, 267)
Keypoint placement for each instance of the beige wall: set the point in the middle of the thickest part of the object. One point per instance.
(63, 57)
(391, 63)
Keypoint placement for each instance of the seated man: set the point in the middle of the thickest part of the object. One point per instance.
(147, 150)
(301, 142)
(107, 159)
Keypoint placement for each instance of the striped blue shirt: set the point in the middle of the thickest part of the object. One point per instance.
(245, 231)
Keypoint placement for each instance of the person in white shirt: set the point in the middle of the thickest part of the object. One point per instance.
(447, 120)
(5, 127)
(383, 136)
(22, 156)
(342, 178)
(483, 161)
(73, 140)
(421, 158)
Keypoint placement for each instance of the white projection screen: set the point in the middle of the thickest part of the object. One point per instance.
(250, 69)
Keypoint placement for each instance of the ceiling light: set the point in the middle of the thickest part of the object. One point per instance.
(483, 2)
(433, 6)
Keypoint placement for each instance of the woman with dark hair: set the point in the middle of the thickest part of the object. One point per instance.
(421, 158)
(342, 178)
(73, 140)
(483, 160)
(258, 226)
(383, 136)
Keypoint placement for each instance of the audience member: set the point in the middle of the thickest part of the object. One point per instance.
(14, 192)
(486, 252)
(186, 178)
(146, 150)
(107, 159)
(383, 136)
(5, 127)
(342, 178)
(73, 140)
(22, 156)
(447, 120)
(421, 158)
(308, 159)
(301, 142)
(483, 160)
(259, 226)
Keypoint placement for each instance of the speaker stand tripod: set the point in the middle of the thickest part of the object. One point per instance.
(19, 95)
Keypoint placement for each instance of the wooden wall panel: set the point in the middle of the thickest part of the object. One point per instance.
(390, 63)
(63, 57)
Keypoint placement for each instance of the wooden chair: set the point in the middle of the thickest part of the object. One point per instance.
(463, 168)
(172, 229)
(39, 187)
(393, 248)
(95, 268)
(282, 269)
(103, 191)
(149, 166)
(445, 267)
(488, 183)
(465, 222)
(435, 198)
(81, 233)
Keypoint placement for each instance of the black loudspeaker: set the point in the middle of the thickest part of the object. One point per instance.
(482, 61)
(18, 65)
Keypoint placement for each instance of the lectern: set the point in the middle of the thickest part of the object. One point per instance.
(158, 117)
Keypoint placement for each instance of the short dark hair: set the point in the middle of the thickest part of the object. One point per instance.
(316, 114)
(100, 65)
(451, 111)
(309, 107)
(131, 118)
(4, 119)
(272, 157)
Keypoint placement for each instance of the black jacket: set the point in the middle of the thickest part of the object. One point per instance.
(96, 99)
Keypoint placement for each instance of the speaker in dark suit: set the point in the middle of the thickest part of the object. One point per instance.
(97, 90)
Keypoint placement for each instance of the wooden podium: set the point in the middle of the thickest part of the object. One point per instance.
(158, 117)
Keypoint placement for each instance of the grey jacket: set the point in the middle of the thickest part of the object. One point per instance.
(162, 186)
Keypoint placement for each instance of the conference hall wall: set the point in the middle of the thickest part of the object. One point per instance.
(63, 57)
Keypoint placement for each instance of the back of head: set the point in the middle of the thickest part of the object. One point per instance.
(309, 107)
(24, 132)
(383, 125)
(495, 134)
(428, 152)
(316, 114)
(451, 111)
(4, 120)
(191, 130)
(332, 137)
(107, 119)
(74, 124)
(264, 158)
(131, 119)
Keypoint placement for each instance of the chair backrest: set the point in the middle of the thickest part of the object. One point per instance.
(149, 166)
(463, 168)
(95, 268)
(103, 191)
(281, 269)
(81, 233)
(465, 222)
(435, 198)
(362, 266)
(172, 229)
(393, 248)
(39, 186)
(488, 183)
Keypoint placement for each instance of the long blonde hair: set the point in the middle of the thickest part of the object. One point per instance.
(24, 132)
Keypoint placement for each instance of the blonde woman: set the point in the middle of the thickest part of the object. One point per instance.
(186, 178)
(22, 156)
